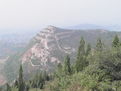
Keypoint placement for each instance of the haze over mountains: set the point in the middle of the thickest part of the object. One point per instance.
(41, 49)
(49, 46)
(16, 39)
(60, 45)
(94, 26)
(11, 42)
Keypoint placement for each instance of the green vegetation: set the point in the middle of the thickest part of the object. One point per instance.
(95, 69)
(21, 84)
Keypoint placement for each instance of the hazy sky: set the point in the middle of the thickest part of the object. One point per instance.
(33, 14)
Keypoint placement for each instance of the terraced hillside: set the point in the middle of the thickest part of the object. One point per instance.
(49, 47)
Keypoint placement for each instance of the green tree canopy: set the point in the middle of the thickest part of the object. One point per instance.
(99, 45)
(67, 65)
(88, 50)
(21, 84)
(80, 61)
(116, 41)
(8, 88)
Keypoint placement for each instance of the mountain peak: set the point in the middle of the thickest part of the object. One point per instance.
(50, 27)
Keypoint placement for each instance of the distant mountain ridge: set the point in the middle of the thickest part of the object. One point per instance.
(93, 26)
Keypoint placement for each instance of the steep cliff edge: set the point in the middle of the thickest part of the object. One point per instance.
(47, 44)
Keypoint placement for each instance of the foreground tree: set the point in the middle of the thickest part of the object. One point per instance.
(8, 88)
(81, 50)
(21, 85)
(67, 65)
(88, 50)
(81, 62)
(116, 42)
(99, 45)
(59, 68)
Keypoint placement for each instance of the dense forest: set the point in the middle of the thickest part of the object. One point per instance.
(94, 69)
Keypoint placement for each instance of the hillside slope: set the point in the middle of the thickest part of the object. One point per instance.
(49, 47)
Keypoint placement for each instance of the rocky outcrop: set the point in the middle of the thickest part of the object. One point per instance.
(51, 44)
(47, 42)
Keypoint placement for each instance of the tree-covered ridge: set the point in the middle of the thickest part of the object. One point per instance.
(68, 42)
(95, 69)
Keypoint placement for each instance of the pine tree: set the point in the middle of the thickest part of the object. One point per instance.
(42, 79)
(8, 88)
(88, 50)
(21, 84)
(80, 61)
(81, 50)
(36, 80)
(44, 75)
(99, 45)
(59, 68)
(67, 66)
(59, 72)
(116, 42)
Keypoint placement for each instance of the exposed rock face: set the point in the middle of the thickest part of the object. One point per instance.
(51, 45)
(43, 52)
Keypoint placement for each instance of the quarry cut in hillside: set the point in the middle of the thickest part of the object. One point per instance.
(45, 51)
(52, 44)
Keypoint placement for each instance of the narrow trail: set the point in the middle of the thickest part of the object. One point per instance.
(59, 46)
(33, 64)
(58, 34)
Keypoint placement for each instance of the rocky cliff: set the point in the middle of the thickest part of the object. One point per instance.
(47, 45)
